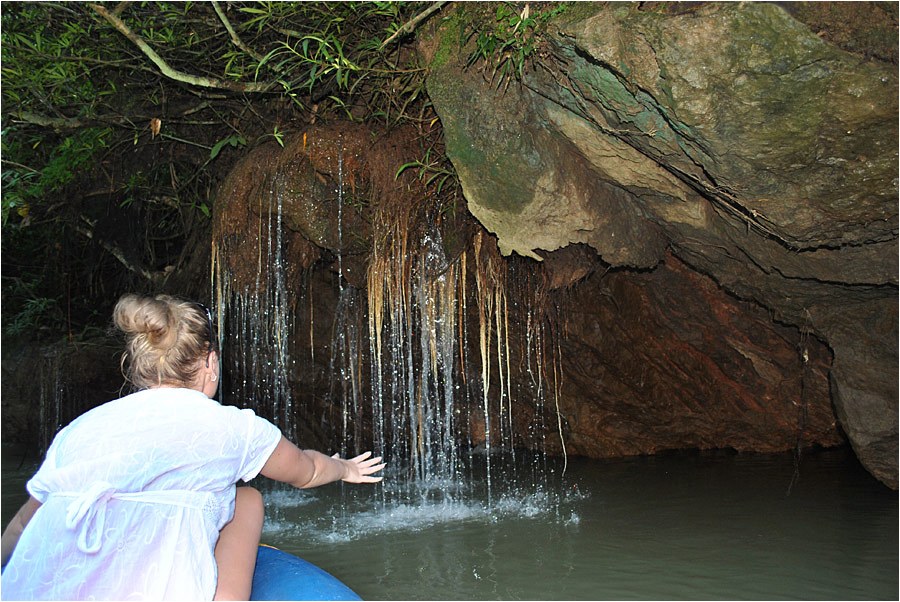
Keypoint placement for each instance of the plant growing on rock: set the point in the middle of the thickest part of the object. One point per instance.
(507, 41)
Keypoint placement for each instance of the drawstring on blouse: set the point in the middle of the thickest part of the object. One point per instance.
(87, 512)
(87, 509)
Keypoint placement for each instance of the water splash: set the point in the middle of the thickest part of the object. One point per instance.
(320, 517)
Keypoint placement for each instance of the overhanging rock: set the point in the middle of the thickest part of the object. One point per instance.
(733, 136)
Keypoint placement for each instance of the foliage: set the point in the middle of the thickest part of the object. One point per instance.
(65, 68)
(118, 119)
(31, 293)
(506, 42)
(108, 163)
(437, 173)
(50, 59)
(23, 186)
(231, 140)
(32, 315)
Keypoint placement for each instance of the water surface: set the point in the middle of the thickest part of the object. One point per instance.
(681, 526)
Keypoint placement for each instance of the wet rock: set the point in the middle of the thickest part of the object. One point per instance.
(46, 387)
(668, 360)
(321, 187)
(727, 134)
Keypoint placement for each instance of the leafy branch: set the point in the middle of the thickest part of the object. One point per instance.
(101, 121)
(231, 32)
(322, 56)
(165, 69)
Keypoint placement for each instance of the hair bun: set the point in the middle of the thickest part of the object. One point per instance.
(151, 317)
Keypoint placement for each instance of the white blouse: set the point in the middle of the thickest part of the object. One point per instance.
(133, 494)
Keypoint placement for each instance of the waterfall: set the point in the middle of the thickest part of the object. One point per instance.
(398, 377)
(433, 406)
(415, 374)
(255, 325)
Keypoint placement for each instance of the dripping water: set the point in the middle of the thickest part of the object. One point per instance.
(400, 381)
(340, 213)
(256, 322)
(60, 400)
(52, 394)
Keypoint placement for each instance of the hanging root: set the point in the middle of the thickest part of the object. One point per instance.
(803, 405)
(562, 439)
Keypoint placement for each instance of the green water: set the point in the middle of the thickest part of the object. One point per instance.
(683, 526)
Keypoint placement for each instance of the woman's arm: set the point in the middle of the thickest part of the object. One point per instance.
(307, 468)
(16, 526)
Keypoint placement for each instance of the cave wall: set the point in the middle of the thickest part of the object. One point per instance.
(728, 135)
(665, 359)
(46, 387)
(635, 361)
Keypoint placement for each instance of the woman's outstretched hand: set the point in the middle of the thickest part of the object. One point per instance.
(308, 468)
(358, 469)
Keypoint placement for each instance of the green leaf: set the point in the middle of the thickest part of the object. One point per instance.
(232, 140)
(406, 166)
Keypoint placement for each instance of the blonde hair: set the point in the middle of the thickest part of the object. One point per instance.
(166, 339)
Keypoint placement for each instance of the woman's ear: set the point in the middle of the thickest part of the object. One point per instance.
(209, 375)
(214, 365)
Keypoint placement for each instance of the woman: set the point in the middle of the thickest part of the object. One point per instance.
(136, 499)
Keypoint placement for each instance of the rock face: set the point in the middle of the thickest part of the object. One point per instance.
(665, 360)
(565, 354)
(731, 137)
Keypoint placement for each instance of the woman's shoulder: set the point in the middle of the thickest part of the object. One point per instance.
(165, 395)
(149, 406)
(164, 414)
(186, 402)
(149, 399)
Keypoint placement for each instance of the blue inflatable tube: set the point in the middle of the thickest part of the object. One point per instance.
(283, 576)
